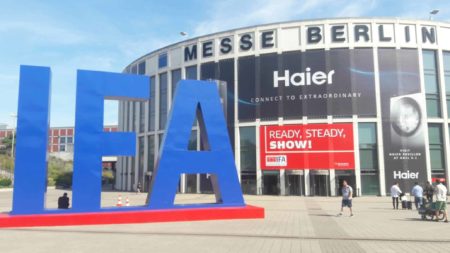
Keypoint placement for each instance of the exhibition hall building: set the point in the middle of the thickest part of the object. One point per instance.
(308, 104)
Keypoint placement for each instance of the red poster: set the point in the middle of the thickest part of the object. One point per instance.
(312, 146)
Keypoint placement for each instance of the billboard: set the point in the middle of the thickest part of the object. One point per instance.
(312, 146)
(314, 83)
(403, 113)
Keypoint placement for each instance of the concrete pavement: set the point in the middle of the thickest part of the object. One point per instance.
(292, 224)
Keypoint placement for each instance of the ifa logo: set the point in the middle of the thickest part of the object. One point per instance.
(276, 160)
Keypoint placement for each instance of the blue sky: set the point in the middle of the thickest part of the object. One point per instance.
(107, 35)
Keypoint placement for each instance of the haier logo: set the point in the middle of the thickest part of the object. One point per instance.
(303, 78)
(276, 160)
(406, 175)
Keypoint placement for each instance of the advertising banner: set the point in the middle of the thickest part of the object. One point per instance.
(314, 83)
(404, 114)
(312, 146)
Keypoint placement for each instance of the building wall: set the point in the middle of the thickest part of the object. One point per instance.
(167, 65)
(60, 139)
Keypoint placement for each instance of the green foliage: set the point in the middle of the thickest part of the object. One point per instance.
(64, 180)
(107, 177)
(6, 163)
(7, 143)
(59, 172)
(5, 182)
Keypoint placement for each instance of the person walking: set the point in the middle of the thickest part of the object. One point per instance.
(347, 196)
(395, 194)
(417, 192)
(441, 200)
(429, 191)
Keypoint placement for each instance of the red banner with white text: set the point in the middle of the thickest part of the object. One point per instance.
(312, 146)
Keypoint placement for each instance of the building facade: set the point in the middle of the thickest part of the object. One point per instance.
(308, 105)
(60, 139)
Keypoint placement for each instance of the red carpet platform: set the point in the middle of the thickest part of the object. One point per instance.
(119, 217)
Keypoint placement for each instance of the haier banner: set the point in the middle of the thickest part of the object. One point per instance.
(315, 83)
(404, 114)
(312, 146)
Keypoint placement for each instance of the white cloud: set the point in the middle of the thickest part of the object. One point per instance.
(233, 14)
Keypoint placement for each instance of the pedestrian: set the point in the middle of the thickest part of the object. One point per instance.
(63, 201)
(429, 191)
(347, 195)
(417, 192)
(138, 188)
(441, 200)
(395, 194)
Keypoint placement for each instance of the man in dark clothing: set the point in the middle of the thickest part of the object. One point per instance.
(429, 191)
(63, 202)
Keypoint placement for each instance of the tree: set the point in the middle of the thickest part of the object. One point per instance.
(7, 144)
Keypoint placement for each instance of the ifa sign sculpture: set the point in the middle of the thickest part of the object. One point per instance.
(193, 99)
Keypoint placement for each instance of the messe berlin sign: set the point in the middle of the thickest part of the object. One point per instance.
(312, 146)
(193, 99)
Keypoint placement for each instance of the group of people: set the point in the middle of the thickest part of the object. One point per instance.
(419, 193)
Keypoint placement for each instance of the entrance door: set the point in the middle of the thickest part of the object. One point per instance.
(294, 185)
(319, 185)
(271, 185)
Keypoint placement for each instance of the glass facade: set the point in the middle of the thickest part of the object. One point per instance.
(431, 84)
(248, 159)
(151, 104)
(141, 169)
(446, 60)
(191, 72)
(436, 150)
(176, 77)
(368, 158)
(162, 101)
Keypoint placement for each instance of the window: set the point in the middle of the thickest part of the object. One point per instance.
(191, 72)
(134, 69)
(141, 159)
(151, 152)
(431, 84)
(151, 105)
(368, 158)
(162, 60)
(447, 79)
(248, 148)
(248, 159)
(69, 140)
(62, 148)
(162, 100)
(368, 153)
(141, 68)
(176, 77)
(62, 140)
(436, 148)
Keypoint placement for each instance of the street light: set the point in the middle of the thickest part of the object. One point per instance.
(14, 116)
(433, 12)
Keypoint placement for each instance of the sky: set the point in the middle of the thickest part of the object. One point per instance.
(108, 35)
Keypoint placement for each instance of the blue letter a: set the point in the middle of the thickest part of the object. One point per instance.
(175, 158)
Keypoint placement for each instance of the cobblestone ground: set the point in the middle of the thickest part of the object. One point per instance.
(292, 224)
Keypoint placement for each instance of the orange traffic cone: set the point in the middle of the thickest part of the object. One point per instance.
(119, 201)
(127, 202)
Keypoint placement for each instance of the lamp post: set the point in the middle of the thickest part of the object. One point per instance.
(14, 116)
(432, 13)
